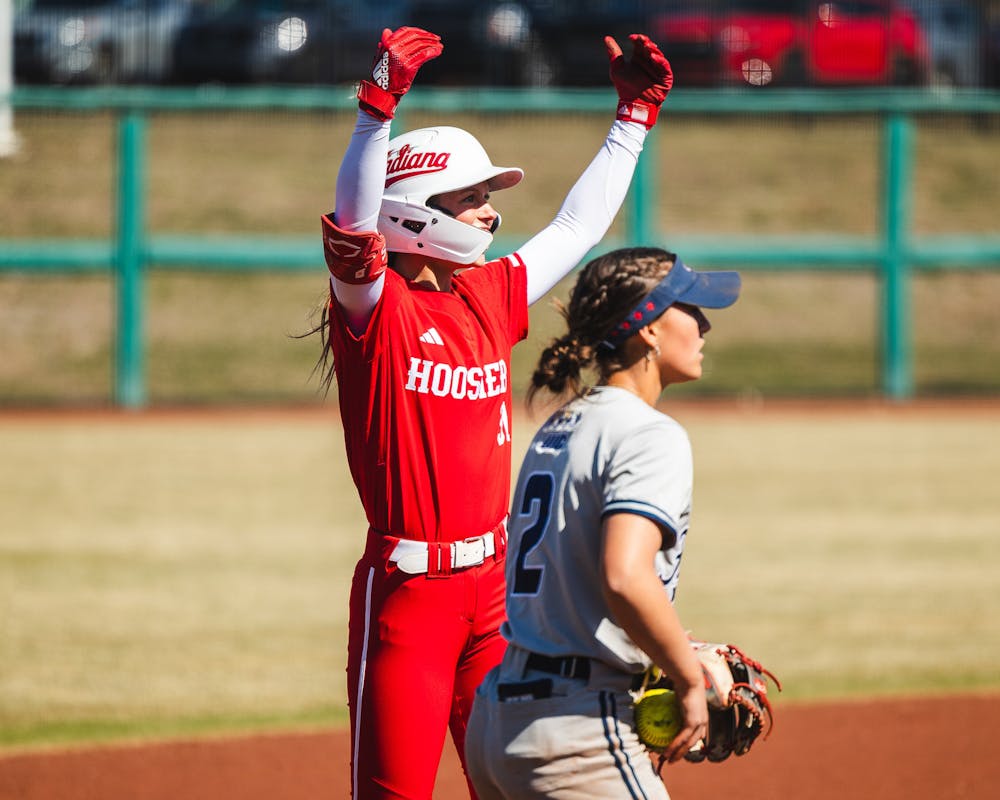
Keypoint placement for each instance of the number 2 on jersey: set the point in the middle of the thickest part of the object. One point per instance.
(537, 501)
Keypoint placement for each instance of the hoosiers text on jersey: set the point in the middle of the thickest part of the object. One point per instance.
(462, 383)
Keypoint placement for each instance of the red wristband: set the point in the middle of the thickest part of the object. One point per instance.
(638, 111)
(376, 101)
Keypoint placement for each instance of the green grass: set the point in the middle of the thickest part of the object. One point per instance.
(857, 553)
(62, 733)
(157, 572)
(163, 576)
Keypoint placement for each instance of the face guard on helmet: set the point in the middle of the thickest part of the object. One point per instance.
(428, 162)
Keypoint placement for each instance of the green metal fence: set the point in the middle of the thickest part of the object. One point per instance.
(893, 254)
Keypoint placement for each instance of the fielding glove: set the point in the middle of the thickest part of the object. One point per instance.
(400, 54)
(643, 81)
(738, 708)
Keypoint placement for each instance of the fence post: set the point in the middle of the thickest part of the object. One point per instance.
(897, 168)
(9, 142)
(129, 387)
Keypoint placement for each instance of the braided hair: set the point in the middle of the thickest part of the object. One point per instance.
(607, 289)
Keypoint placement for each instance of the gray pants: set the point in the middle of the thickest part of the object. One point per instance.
(542, 736)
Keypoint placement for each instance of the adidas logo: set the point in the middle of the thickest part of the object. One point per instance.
(431, 336)
(381, 72)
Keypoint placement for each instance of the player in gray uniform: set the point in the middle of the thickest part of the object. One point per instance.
(597, 531)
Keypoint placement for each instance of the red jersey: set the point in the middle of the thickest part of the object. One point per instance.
(425, 399)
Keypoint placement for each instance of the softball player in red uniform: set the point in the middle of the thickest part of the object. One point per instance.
(421, 354)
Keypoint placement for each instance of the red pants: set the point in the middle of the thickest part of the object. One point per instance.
(418, 648)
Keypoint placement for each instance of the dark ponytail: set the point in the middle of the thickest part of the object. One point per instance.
(607, 289)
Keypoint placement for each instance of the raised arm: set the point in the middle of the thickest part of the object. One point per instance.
(355, 253)
(642, 82)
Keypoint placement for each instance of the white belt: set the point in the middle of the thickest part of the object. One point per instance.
(410, 555)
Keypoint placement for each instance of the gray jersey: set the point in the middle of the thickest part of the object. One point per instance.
(608, 452)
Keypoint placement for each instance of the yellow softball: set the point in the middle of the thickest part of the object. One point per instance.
(658, 718)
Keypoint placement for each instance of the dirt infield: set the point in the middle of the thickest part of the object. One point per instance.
(939, 748)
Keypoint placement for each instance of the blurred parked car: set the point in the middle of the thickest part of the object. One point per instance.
(957, 40)
(95, 41)
(795, 42)
(486, 43)
(527, 42)
(282, 41)
(572, 34)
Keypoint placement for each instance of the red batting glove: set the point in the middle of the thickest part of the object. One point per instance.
(400, 54)
(643, 81)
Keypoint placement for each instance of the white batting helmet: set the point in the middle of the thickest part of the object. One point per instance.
(428, 162)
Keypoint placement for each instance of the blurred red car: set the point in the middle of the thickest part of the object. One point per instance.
(794, 43)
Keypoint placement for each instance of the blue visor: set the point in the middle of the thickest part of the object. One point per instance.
(681, 285)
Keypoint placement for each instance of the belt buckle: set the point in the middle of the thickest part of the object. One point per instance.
(469, 552)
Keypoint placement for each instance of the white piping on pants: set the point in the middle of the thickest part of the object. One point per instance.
(361, 682)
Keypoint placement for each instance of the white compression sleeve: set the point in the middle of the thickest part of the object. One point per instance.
(360, 184)
(587, 212)
(361, 179)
